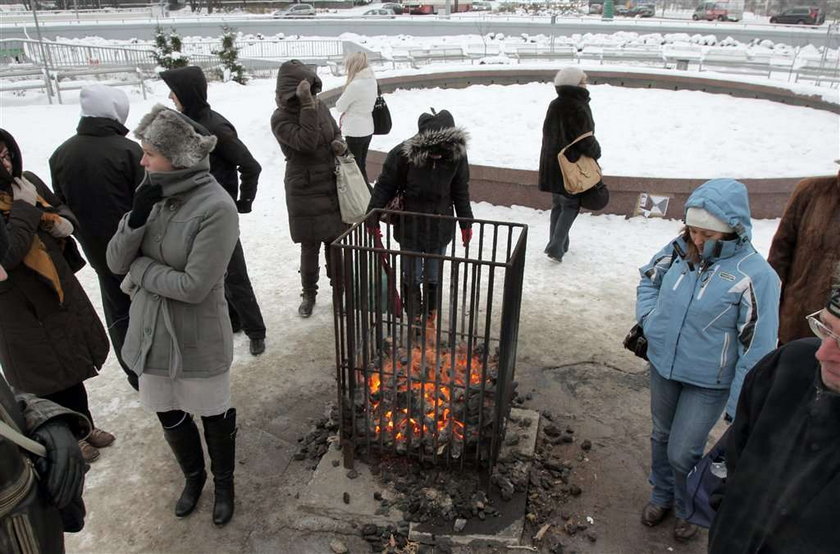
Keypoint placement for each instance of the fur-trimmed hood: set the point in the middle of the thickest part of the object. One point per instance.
(449, 143)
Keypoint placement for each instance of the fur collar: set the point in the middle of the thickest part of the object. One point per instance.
(450, 143)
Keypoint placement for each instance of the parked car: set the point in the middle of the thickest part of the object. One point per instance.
(295, 10)
(479, 6)
(721, 11)
(379, 12)
(800, 16)
(395, 7)
(643, 10)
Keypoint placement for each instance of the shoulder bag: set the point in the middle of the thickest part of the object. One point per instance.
(353, 192)
(581, 175)
(381, 115)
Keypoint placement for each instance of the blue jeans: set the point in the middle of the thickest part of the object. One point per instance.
(682, 417)
(427, 267)
(563, 213)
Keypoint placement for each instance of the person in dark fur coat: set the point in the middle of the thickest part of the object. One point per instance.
(51, 339)
(567, 118)
(189, 94)
(432, 172)
(95, 173)
(805, 249)
(310, 139)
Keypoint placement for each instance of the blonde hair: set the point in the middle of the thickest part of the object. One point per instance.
(353, 63)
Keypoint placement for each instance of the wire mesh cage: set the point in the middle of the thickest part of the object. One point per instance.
(426, 330)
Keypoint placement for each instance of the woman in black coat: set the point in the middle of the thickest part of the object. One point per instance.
(432, 172)
(309, 138)
(568, 117)
(51, 339)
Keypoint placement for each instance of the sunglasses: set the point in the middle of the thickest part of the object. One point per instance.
(820, 329)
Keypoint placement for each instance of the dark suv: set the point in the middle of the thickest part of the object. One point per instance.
(800, 16)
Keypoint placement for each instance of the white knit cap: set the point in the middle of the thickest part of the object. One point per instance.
(700, 218)
(569, 75)
(103, 101)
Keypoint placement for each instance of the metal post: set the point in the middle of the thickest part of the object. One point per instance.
(43, 52)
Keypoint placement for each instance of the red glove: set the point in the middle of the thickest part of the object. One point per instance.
(466, 235)
(374, 230)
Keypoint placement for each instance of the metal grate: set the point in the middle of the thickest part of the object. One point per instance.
(434, 380)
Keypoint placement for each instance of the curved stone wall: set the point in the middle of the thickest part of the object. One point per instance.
(629, 195)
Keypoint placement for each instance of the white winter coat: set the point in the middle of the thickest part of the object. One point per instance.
(356, 105)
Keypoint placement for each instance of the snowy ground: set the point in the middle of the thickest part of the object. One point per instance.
(574, 316)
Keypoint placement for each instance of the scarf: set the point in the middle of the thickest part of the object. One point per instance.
(37, 259)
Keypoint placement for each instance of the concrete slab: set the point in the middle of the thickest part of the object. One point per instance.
(506, 529)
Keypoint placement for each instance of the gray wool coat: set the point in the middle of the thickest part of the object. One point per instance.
(175, 266)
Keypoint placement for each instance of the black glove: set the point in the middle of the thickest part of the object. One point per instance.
(243, 205)
(144, 199)
(63, 468)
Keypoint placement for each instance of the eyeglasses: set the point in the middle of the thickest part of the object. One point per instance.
(6, 155)
(820, 329)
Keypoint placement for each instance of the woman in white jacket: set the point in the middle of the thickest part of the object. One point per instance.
(356, 107)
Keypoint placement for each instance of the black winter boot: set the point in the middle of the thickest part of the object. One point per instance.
(431, 300)
(185, 442)
(220, 434)
(413, 302)
(307, 303)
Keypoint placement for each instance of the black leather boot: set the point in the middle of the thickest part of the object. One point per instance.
(220, 434)
(431, 300)
(309, 284)
(185, 442)
(307, 302)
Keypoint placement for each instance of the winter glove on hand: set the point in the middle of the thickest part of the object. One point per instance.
(304, 94)
(144, 199)
(61, 228)
(24, 191)
(63, 468)
(243, 206)
(339, 147)
(466, 235)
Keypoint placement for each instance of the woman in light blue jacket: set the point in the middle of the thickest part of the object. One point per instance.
(709, 307)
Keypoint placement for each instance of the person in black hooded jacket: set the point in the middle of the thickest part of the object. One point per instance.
(432, 172)
(188, 87)
(567, 118)
(95, 173)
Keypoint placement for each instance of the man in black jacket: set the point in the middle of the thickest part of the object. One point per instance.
(188, 88)
(783, 454)
(95, 173)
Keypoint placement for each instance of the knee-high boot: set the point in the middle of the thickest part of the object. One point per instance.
(185, 442)
(220, 434)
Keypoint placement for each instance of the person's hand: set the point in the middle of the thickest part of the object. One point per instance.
(243, 205)
(63, 468)
(304, 94)
(61, 228)
(144, 199)
(24, 191)
(466, 235)
(339, 147)
(3, 274)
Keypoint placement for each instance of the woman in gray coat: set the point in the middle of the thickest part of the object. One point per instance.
(310, 139)
(174, 247)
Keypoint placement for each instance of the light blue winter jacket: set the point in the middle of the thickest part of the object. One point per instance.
(707, 324)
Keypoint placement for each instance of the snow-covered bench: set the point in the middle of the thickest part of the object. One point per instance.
(819, 71)
(735, 59)
(641, 54)
(448, 54)
(66, 79)
(533, 52)
(28, 78)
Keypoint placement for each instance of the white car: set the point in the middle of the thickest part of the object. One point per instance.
(379, 13)
(295, 10)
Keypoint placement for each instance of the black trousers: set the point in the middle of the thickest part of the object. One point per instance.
(359, 148)
(242, 303)
(115, 304)
(73, 398)
(309, 269)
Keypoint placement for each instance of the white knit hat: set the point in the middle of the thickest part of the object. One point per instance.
(569, 75)
(700, 218)
(104, 101)
(175, 136)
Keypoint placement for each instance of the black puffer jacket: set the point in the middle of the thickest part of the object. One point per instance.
(305, 136)
(432, 171)
(95, 173)
(45, 345)
(567, 118)
(230, 154)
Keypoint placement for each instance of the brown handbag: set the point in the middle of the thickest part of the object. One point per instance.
(581, 175)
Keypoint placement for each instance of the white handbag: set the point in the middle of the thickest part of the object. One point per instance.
(353, 192)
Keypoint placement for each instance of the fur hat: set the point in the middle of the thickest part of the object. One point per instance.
(104, 101)
(833, 305)
(178, 138)
(698, 217)
(569, 75)
(435, 121)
